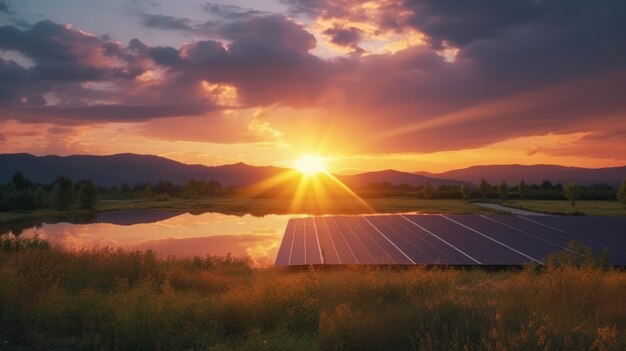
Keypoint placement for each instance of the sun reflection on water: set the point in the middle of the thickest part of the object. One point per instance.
(183, 235)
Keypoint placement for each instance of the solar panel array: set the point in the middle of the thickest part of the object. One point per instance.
(445, 239)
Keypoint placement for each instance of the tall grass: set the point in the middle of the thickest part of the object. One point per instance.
(557, 308)
(120, 300)
(105, 299)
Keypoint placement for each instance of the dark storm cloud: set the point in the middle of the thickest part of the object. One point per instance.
(166, 22)
(3, 6)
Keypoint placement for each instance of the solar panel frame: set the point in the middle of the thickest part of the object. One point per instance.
(408, 239)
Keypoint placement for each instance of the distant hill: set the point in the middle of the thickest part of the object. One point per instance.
(129, 168)
(133, 168)
(394, 177)
(512, 174)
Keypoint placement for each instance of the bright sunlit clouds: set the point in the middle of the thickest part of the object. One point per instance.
(310, 165)
(388, 84)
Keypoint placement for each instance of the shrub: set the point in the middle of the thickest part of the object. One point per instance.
(427, 190)
(503, 190)
(571, 192)
(484, 187)
(62, 193)
(466, 191)
(88, 195)
(621, 194)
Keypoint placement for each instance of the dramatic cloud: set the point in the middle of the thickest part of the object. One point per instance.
(65, 59)
(62, 53)
(405, 76)
(15, 78)
(166, 22)
(348, 37)
(229, 11)
(265, 57)
(3, 6)
(520, 68)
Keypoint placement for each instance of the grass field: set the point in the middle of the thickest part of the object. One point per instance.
(260, 207)
(55, 299)
(588, 207)
(283, 206)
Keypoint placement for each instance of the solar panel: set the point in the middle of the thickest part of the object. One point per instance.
(445, 239)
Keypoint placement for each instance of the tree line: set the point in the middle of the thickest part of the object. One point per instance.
(503, 191)
(165, 189)
(63, 194)
(20, 193)
(23, 194)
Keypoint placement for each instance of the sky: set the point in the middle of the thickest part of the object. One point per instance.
(413, 85)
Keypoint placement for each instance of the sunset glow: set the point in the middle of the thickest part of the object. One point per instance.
(310, 165)
(267, 81)
(312, 174)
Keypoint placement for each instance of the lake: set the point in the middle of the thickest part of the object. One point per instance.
(166, 232)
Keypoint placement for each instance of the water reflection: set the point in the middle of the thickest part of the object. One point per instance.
(167, 232)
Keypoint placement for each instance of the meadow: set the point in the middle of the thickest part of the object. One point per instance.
(561, 207)
(55, 299)
(261, 207)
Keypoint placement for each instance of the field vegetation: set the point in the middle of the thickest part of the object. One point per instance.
(55, 299)
(256, 207)
(22, 199)
(561, 207)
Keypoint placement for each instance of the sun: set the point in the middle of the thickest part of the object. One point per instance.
(310, 165)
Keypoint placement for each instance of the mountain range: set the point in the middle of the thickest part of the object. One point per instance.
(132, 168)
(512, 174)
(128, 168)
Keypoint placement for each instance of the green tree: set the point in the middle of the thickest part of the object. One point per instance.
(192, 189)
(465, 191)
(522, 189)
(428, 190)
(621, 195)
(88, 195)
(484, 188)
(62, 193)
(22, 200)
(503, 190)
(21, 183)
(124, 188)
(165, 187)
(571, 191)
(142, 190)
